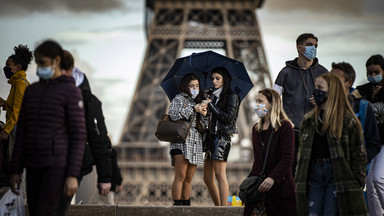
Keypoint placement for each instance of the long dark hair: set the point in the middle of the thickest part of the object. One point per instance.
(23, 56)
(184, 86)
(226, 78)
(51, 49)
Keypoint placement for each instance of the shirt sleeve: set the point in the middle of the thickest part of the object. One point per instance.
(279, 83)
(18, 98)
(278, 88)
(179, 109)
(76, 131)
(371, 134)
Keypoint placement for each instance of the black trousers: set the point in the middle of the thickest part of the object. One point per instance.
(44, 188)
(64, 202)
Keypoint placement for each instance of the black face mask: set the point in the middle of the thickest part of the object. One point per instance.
(8, 72)
(320, 96)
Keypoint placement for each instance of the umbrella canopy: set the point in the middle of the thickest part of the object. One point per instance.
(202, 65)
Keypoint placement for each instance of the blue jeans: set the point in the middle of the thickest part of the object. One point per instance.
(322, 190)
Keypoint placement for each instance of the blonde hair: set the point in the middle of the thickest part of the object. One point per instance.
(337, 105)
(276, 112)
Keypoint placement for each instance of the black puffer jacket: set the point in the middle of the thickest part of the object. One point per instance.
(225, 114)
(367, 91)
(51, 130)
(98, 149)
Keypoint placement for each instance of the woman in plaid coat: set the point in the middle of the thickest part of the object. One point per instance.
(332, 158)
(186, 156)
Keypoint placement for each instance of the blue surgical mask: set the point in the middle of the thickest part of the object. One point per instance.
(8, 72)
(194, 92)
(45, 72)
(375, 79)
(310, 52)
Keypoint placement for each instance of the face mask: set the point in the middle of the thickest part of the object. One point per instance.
(194, 92)
(261, 110)
(320, 96)
(310, 52)
(45, 72)
(8, 72)
(375, 79)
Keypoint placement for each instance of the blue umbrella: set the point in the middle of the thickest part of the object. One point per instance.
(202, 64)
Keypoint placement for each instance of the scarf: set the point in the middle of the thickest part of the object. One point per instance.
(217, 93)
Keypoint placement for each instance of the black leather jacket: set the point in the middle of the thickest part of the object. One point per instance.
(224, 114)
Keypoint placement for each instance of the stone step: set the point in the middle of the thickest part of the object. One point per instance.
(114, 210)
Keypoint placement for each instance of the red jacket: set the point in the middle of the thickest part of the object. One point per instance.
(281, 198)
(51, 128)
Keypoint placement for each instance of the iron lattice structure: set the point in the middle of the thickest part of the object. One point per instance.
(172, 26)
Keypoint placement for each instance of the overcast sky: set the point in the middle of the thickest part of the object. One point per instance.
(108, 41)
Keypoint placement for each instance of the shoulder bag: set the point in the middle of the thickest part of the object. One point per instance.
(172, 131)
(249, 188)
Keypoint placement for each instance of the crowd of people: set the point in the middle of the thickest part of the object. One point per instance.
(325, 137)
(60, 131)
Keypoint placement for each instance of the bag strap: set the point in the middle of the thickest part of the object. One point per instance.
(362, 115)
(266, 153)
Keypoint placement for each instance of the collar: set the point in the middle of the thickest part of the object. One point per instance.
(18, 75)
(217, 92)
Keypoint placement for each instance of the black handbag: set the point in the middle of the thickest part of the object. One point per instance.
(172, 131)
(249, 188)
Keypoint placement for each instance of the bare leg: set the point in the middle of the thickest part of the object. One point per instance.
(221, 177)
(186, 192)
(209, 180)
(181, 166)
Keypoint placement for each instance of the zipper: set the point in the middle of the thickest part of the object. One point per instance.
(96, 127)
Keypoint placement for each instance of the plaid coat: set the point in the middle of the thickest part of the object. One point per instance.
(182, 107)
(349, 160)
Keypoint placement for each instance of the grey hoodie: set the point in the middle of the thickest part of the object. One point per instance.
(296, 85)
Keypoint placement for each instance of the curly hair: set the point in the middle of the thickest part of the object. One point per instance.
(23, 56)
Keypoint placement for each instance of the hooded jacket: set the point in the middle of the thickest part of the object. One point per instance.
(51, 127)
(98, 148)
(18, 83)
(296, 85)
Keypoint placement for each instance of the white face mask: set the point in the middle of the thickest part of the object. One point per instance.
(194, 92)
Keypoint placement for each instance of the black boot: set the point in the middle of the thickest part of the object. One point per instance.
(186, 202)
(176, 202)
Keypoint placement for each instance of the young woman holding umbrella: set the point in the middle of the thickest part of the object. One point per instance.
(224, 110)
(186, 156)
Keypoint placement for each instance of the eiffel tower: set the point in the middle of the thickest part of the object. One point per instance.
(174, 28)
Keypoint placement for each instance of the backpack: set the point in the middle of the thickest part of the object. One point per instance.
(362, 114)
